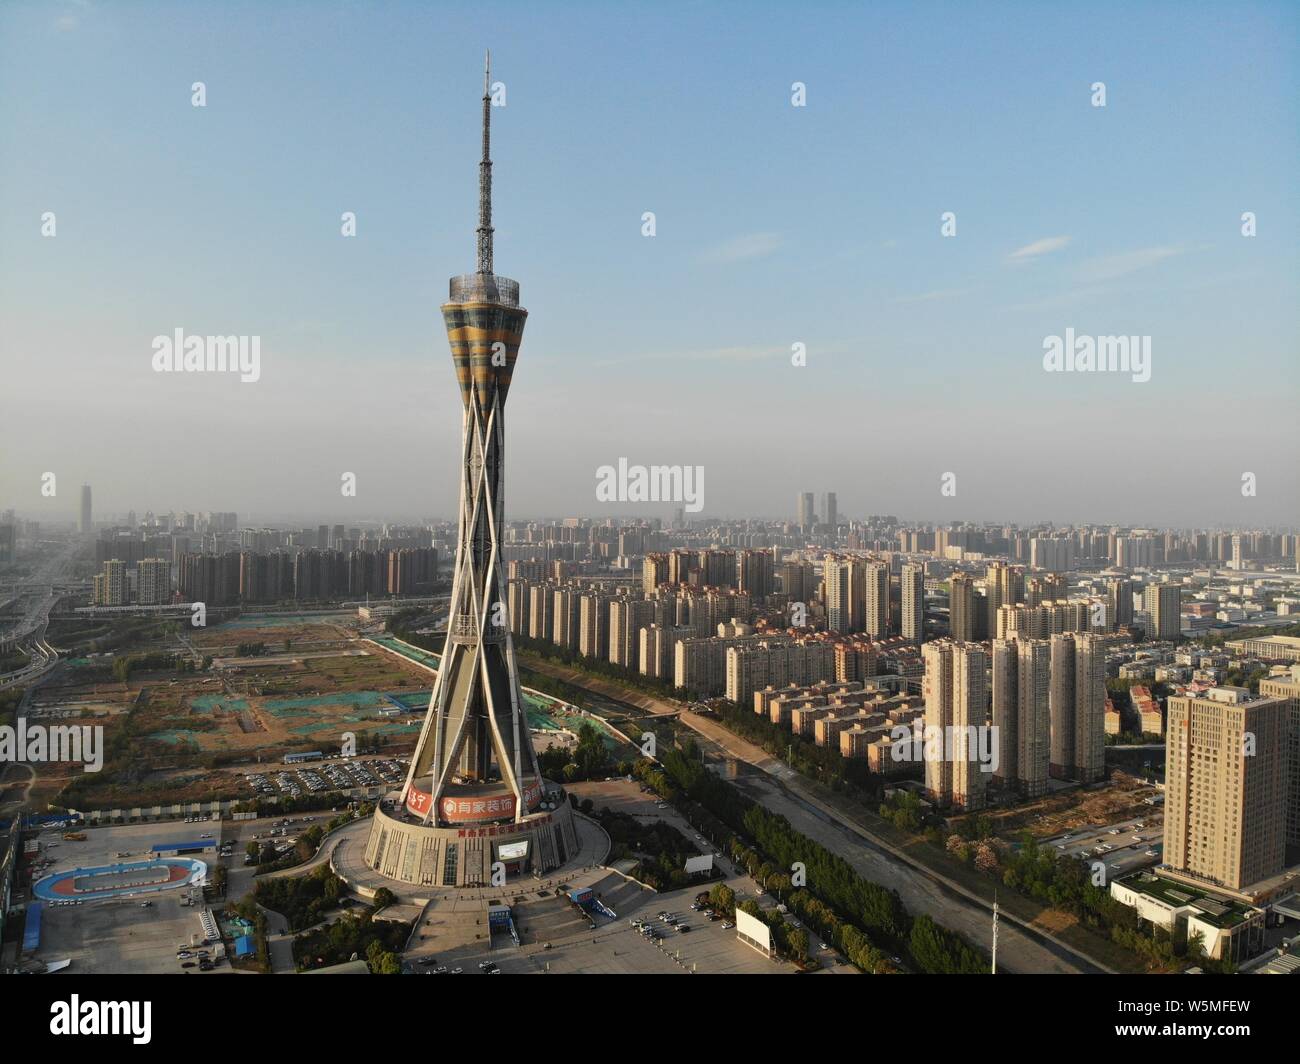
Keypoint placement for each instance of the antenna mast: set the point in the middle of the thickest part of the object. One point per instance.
(484, 230)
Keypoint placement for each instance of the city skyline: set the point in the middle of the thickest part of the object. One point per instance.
(198, 218)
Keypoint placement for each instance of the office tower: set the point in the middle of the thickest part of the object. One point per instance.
(912, 599)
(876, 619)
(1161, 601)
(84, 521)
(1225, 781)
(1288, 689)
(806, 518)
(831, 509)
(961, 607)
(153, 582)
(474, 760)
(8, 539)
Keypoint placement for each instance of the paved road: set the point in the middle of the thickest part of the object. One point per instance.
(781, 790)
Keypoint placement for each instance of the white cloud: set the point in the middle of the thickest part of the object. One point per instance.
(1039, 247)
(1109, 267)
(749, 246)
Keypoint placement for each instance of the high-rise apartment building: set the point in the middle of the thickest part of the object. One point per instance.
(115, 586)
(1021, 713)
(1161, 601)
(961, 607)
(1288, 689)
(1225, 788)
(1004, 585)
(153, 582)
(956, 701)
(876, 614)
(843, 581)
(1077, 704)
(912, 602)
(1119, 603)
(970, 663)
(754, 573)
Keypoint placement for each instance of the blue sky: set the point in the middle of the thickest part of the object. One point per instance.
(775, 225)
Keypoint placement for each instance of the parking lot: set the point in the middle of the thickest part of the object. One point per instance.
(1122, 847)
(331, 774)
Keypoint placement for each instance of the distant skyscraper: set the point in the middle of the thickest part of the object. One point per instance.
(831, 509)
(1225, 777)
(912, 599)
(85, 523)
(806, 518)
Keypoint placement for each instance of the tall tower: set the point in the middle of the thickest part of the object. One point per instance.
(475, 760)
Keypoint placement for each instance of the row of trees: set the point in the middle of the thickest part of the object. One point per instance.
(863, 918)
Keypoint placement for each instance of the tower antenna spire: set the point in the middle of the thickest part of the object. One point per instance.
(484, 231)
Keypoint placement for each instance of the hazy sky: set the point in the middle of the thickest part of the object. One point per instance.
(776, 225)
